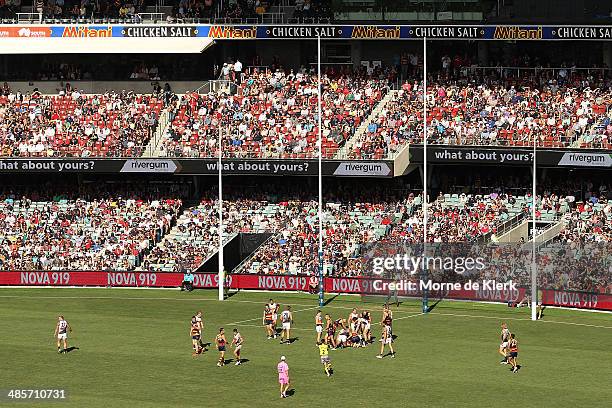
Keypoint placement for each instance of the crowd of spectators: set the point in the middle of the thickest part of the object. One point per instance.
(72, 124)
(273, 114)
(85, 9)
(195, 9)
(249, 10)
(132, 228)
(494, 116)
(72, 231)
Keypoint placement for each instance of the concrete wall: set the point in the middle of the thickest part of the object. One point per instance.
(550, 233)
(516, 233)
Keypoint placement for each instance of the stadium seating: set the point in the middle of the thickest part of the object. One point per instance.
(114, 233)
(108, 125)
(272, 115)
(75, 234)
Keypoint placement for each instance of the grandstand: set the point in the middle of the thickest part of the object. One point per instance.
(289, 146)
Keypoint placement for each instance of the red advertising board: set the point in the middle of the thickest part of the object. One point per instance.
(580, 300)
(369, 286)
(150, 279)
(364, 286)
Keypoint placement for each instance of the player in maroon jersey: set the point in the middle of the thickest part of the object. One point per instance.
(268, 321)
(220, 342)
(330, 332)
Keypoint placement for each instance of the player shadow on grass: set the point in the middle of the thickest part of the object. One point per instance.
(69, 349)
(331, 299)
(291, 392)
(432, 307)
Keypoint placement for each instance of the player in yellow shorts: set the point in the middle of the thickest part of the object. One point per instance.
(325, 360)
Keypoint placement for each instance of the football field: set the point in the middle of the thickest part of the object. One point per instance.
(133, 349)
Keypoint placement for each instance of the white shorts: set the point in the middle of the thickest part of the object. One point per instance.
(237, 349)
(286, 326)
(504, 345)
(274, 317)
(366, 326)
(342, 338)
(388, 340)
(319, 328)
(62, 336)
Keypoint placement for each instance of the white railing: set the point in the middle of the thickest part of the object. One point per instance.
(29, 17)
(152, 17)
(555, 70)
(162, 124)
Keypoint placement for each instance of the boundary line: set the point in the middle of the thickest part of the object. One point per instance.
(184, 300)
(519, 319)
(298, 304)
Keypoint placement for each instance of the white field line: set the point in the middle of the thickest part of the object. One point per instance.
(180, 300)
(518, 319)
(294, 304)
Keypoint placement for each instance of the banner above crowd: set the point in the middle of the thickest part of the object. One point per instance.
(511, 156)
(360, 32)
(270, 167)
(466, 155)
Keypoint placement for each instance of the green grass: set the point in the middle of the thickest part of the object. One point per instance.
(134, 351)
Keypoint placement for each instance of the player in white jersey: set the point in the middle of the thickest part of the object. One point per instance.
(503, 347)
(353, 320)
(200, 325)
(274, 307)
(61, 333)
(237, 344)
(319, 325)
(386, 338)
(287, 320)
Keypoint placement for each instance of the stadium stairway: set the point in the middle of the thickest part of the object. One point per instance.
(153, 149)
(237, 251)
(363, 127)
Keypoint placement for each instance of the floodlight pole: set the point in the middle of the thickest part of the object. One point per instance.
(320, 144)
(221, 276)
(425, 306)
(534, 283)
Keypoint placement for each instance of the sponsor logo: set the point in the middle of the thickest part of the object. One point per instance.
(148, 166)
(25, 32)
(446, 32)
(160, 31)
(517, 33)
(232, 32)
(86, 31)
(302, 32)
(375, 32)
(363, 169)
(586, 160)
(584, 32)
